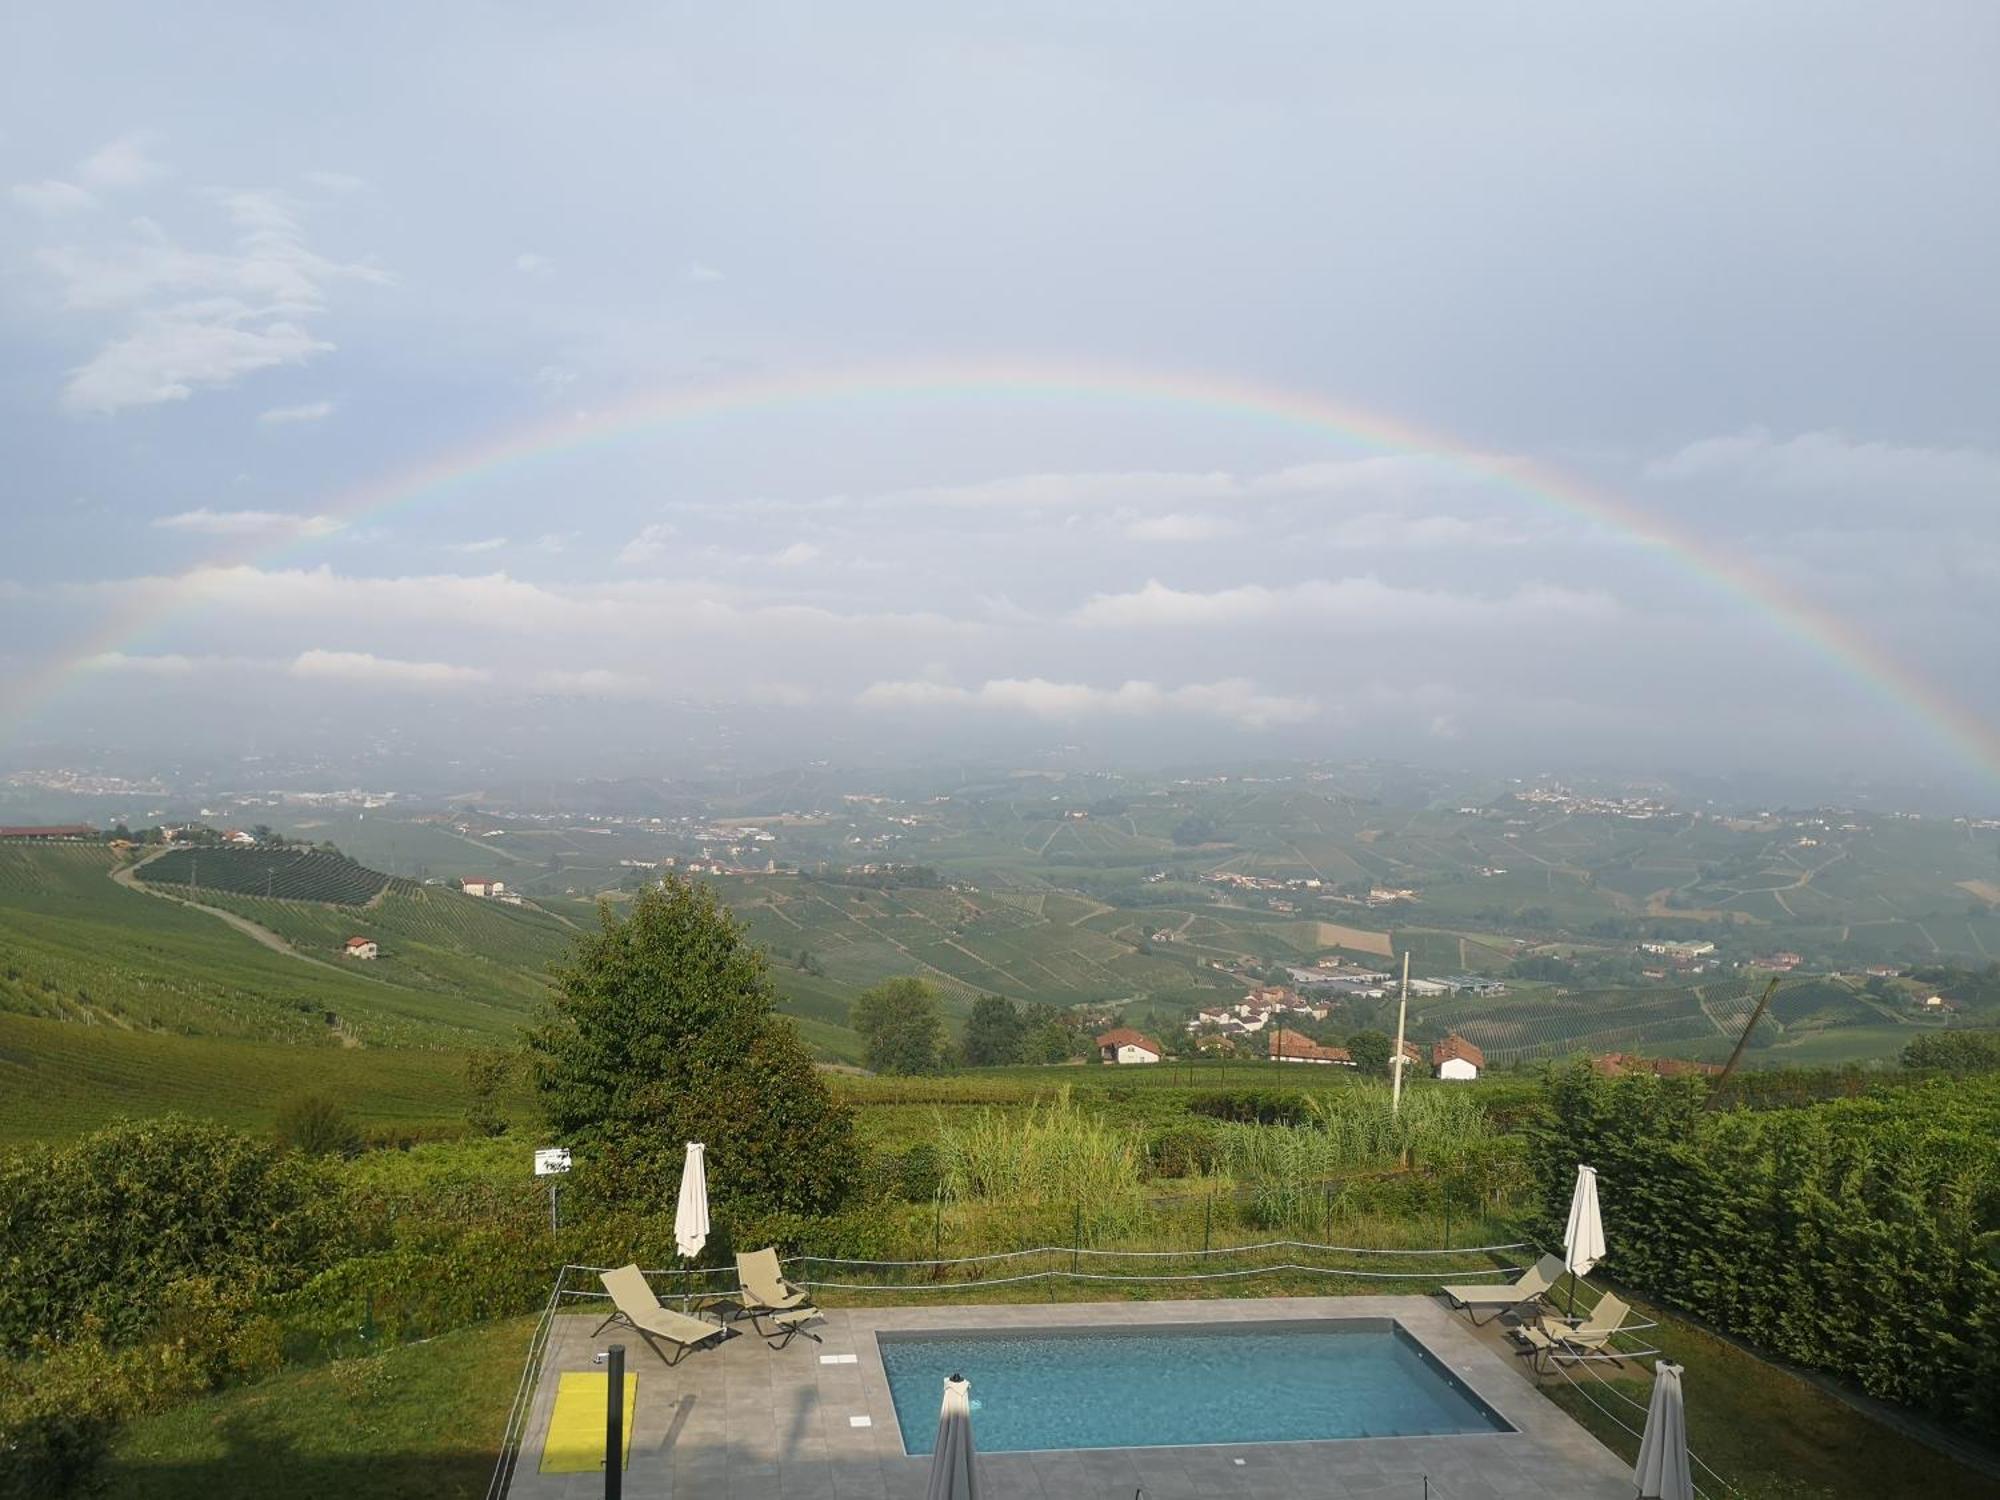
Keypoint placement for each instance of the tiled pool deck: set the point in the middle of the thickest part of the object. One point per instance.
(744, 1422)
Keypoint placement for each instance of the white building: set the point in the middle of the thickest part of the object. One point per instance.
(360, 947)
(481, 886)
(1124, 1045)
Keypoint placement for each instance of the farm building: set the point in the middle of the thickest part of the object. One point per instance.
(49, 833)
(481, 886)
(1291, 1047)
(360, 947)
(1124, 1045)
(1456, 1058)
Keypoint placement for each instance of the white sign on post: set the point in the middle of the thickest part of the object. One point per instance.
(551, 1161)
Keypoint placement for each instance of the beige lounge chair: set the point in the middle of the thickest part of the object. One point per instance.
(634, 1305)
(1542, 1342)
(763, 1293)
(1495, 1300)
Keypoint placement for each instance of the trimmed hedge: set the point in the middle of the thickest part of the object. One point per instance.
(1858, 1236)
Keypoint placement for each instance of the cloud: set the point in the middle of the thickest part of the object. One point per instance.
(122, 163)
(196, 318)
(165, 665)
(592, 682)
(556, 541)
(532, 264)
(384, 671)
(649, 544)
(1347, 600)
(52, 197)
(485, 544)
(1818, 461)
(1234, 699)
(308, 411)
(796, 555)
(1390, 530)
(696, 271)
(249, 523)
(1177, 526)
(553, 381)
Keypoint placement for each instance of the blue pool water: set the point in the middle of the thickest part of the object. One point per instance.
(1187, 1385)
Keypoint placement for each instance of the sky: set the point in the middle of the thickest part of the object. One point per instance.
(1728, 269)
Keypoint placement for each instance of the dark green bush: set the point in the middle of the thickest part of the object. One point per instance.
(316, 1125)
(920, 1174)
(1184, 1150)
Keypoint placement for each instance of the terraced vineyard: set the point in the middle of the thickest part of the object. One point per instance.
(284, 874)
(1648, 1021)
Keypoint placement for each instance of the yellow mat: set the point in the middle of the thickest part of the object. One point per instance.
(575, 1442)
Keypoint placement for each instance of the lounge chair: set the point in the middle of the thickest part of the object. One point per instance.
(763, 1293)
(1590, 1339)
(1495, 1300)
(634, 1305)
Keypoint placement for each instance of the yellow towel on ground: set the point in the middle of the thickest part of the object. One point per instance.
(575, 1444)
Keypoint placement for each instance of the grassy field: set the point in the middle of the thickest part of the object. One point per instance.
(59, 1079)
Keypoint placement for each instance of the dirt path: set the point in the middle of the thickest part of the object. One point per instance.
(128, 876)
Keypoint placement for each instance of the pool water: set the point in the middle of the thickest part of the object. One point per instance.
(1197, 1384)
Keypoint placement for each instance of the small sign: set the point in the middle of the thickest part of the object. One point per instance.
(555, 1159)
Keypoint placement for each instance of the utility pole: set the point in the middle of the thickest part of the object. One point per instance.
(1396, 1061)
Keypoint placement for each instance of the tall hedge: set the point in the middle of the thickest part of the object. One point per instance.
(1858, 1236)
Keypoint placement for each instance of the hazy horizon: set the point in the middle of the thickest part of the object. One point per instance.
(272, 312)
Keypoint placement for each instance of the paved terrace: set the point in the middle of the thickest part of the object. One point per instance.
(744, 1422)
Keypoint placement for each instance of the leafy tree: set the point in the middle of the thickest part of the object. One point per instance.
(994, 1032)
(902, 1026)
(1371, 1051)
(663, 1031)
(316, 1125)
(486, 1073)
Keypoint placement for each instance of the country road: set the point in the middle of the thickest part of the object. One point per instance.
(128, 876)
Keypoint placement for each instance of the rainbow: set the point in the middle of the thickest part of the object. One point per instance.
(1849, 652)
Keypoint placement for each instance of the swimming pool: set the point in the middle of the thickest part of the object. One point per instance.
(1182, 1385)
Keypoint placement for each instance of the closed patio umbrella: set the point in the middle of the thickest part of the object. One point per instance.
(1663, 1472)
(951, 1456)
(1583, 1240)
(691, 1213)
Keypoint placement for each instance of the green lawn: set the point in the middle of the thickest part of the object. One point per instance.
(421, 1422)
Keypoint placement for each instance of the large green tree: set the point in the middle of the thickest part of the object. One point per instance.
(663, 1031)
(994, 1033)
(1371, 1051)
(902, 1026)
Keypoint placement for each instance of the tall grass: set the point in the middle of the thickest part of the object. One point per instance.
(1055, 1155)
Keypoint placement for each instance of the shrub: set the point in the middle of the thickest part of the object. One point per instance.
(1955, 1052)
(316, 1125)
(100, 1228)
(1184, 1150)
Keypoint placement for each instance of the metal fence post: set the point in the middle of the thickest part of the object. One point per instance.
(614, 1424)
(1076, 1253)
(1207, 1220)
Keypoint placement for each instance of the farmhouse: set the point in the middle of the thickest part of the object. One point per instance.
(1456, 1058)
(49, 833)
(1291, 1047)
(360, 947)
(481, 886)
(1124, 1045)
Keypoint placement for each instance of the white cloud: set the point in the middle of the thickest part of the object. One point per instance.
(166, 665)
(1827, 461)
(592, 682)
(649, 544)
(532, 264)
(484, 544)
(696, 271)
(1177, 526)
(249, 523)
(197, 318)
(1349, 600)
(307, 411)
(384, 671)
(52, 197)
(553, 381)
(796, 555)
(122, 163)
(1235, 699)
(556, 541)
(1392, 530)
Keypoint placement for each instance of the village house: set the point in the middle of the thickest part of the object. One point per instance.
(1124, 1045)
(1292, 1047)
(481, 886)
(1456, 1058)
(49, 833)
(360, 947)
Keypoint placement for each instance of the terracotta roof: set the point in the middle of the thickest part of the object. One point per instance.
(1286, 1043)
(1125, 1036)
(1453, 1046)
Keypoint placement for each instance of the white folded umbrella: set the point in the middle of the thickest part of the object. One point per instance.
(1663, 1472)
(1583, 1239)
(691, 1213)
(952, 1475)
